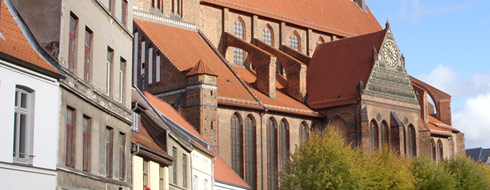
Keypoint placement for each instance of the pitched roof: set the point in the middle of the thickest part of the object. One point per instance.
(223, 172)
(479, 154)
(282, 102)
(337, 67)
(201, 68)
(184, 48)
(15, 43)
(433, 120)
(144, 138)
(341, 17)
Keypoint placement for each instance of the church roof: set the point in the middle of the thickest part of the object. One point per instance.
(14, 44)
(340, 17)
(184, 48)
(337, 67)
(201, 68)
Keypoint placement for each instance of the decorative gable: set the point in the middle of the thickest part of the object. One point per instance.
(389, 78)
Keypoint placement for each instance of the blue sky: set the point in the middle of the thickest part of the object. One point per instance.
(446, 43)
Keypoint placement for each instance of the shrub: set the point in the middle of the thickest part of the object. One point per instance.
(322, 163)
(385, 170)
(468, 174)
(429, 175)
(486, 170)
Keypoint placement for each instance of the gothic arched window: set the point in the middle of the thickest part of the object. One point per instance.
(284, 142)
(303, 132)
(236, 144)
(433, 150)
(267, 36)
(439, 151)
(412, 151)
(238, 27)
(384, 134)
(250, 152)
(272, 154)
(294, 41)
(374, 137)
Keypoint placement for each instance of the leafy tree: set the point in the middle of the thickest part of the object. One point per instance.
(322, 163)
(468, 174)
(486, 170)
(429, 175)
(385, 170)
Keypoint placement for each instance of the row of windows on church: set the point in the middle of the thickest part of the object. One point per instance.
(150, 66)
(380, 137)
(243, 145)
(267, 37)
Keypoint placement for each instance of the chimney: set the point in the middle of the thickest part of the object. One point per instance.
(361, 3)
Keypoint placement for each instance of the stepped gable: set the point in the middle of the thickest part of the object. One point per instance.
(282, 102)
(337, 67)
(14, 43)
(184, 48)
(201, 68)
(340, 17)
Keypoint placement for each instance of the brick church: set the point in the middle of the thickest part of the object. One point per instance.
(256, 77)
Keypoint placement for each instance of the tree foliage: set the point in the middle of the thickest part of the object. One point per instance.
(429, 175)
(468, 174)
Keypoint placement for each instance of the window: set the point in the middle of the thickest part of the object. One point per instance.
(384, 135)
(135, 59)
(272, 154)
(161, 178)
(136, 122)
(238, 32)
(124, 12)
(177, 7)
(72, 43)
(174, 165)
(156, 4)
(236, 144)
(433, 150)
(294, 41)
(143, 60)
(267, 35)
(184, 170)
(194, 182)
(374, 135)
(22, 150)
(70, 130)
(122, 78)
(284, 142)
(122, 156)
(303, 132)
(411, 142)
(86, 142)
(205, 184)
(110, 54)
(150, 65)
(145, 172)
(111, 6)
(250, 152)
(88, 55)
(158, 65)
(440, 153)
(108, 151)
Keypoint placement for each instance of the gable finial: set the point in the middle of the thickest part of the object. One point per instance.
(387, 25)
(360, 88)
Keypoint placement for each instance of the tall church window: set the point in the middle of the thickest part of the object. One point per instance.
(238, 57)
(150, 64)
(374, 137)
(384, 134)
(250, 152)
(236, 144)
(23, 125)
(439, 151)
(272, 154)
(303, 132)
(433, 150)
(294, 41)
(411, 142)
(267, 35)
(135, 58)
(284, 143)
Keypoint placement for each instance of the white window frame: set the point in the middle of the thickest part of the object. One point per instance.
(158, 64)
(150, 65)
(135, 59)
(28, 141)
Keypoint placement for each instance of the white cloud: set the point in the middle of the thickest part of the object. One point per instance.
(441, 77)
(474, 120)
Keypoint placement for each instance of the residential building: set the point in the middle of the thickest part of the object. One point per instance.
(479, 154)
(273, 71)
(91, 40)
(29, 99)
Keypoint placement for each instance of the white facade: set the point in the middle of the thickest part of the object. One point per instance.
(202, 170)
(223, 186)
(37, 167)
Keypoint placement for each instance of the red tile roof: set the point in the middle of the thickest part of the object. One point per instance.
(341, 17)
(144, 138)
(184, 48)
(337, 67)
(15, 42)
(282, 102)
(440, 125)
(201, 68)
(222, 171)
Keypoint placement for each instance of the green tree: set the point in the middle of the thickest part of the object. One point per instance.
(385, 170)
(429, 175)
(468, 174)
(486, 170)
(322, 163)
